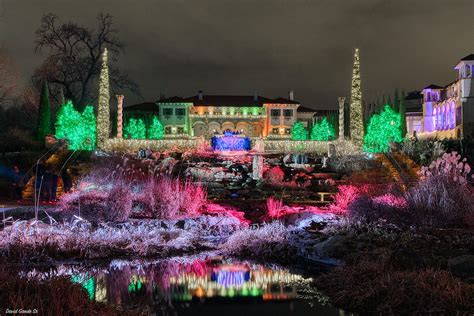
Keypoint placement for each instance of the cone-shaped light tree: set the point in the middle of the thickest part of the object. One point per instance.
(103, 112)
(156, 130)
(356, 121)
(44, 113)
(298, 132)
(135, 129)
(322, 130)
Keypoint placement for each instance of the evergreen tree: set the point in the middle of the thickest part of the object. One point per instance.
(135, 129)
(322, 130)
(396, 101)
(383, 129)
(103, 112)
(403, 114)
(356, 110)
(298, 132)
(44, 113)
(156, 130)
(78, 129)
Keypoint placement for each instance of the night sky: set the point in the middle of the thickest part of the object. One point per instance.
(269, 46)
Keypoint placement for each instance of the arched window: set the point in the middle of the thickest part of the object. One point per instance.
(468, 71)
(428, 97)
(435, 118)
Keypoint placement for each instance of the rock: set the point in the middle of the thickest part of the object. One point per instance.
(180, 224)
(334, 247)
(462, 266)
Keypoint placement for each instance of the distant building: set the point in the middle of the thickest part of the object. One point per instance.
(448, 112)
(414, 112)
(205, 115)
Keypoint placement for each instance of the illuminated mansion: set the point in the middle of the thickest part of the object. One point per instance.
(205, 115)
(448, 112)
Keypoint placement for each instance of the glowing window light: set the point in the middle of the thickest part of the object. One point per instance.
(245, 111)
(232, 111)
(255, 111)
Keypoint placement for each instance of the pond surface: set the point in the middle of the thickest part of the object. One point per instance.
(195, 285)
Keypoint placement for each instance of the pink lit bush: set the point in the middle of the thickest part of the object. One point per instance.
(274, 175)
(449, 165)
(274, 207)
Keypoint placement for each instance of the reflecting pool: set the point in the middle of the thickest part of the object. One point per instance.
(195, 285)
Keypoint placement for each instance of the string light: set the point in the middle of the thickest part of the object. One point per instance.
(103, 113)
(79, 129)
(356, 124)
(135, 129)
(156, 130)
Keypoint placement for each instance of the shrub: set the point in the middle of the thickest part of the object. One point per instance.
(274, 207)
(437, 202)
(267, 243)
(388, 290)
(119, 203)
(274, 175)
(449, 165)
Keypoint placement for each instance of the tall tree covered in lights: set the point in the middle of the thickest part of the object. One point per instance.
(356, 120)
(383, 129)
(44, 113)
(298, 132)
(103, 112)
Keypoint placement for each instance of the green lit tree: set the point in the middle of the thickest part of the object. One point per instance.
(44, 113)
(298, 132)
(403, 114)
(135, 129)
(383, 129)
(78, 129)
(156, 130)
(322, 130)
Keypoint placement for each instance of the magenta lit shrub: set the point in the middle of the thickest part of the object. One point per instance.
(274, 207)
(274, 175)
(118, 203)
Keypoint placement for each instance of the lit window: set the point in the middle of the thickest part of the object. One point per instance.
(275, 130)
(168, 130)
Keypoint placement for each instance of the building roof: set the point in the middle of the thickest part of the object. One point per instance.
(413, 95)
(174, 99)
(282, 101)
(226, 100)
(305, 109)
(468, 57)
(433, 86)
(145, 107)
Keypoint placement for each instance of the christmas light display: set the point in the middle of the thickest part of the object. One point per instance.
(230, 142)
(156, 130)
(103, 113)
(322, 131)
(356, 122)
(78, 129)
(44, 113)
(383, 129)
(298, 132)
(135, 129)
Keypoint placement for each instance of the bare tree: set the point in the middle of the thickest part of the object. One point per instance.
(8, 78)
(74, 61)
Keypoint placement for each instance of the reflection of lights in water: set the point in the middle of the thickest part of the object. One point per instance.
(230, 278)
(136, 283)
(87, 282)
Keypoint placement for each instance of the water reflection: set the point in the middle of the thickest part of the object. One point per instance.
(183, 282)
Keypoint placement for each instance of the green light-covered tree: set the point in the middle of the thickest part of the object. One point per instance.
(135, 129)
(298, 132)
(356, 108)
(322, 130)
(44, 113)
(78, 129)
(383, 129)
(156, 130)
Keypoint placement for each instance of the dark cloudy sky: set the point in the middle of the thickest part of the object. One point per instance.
(177, 47)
